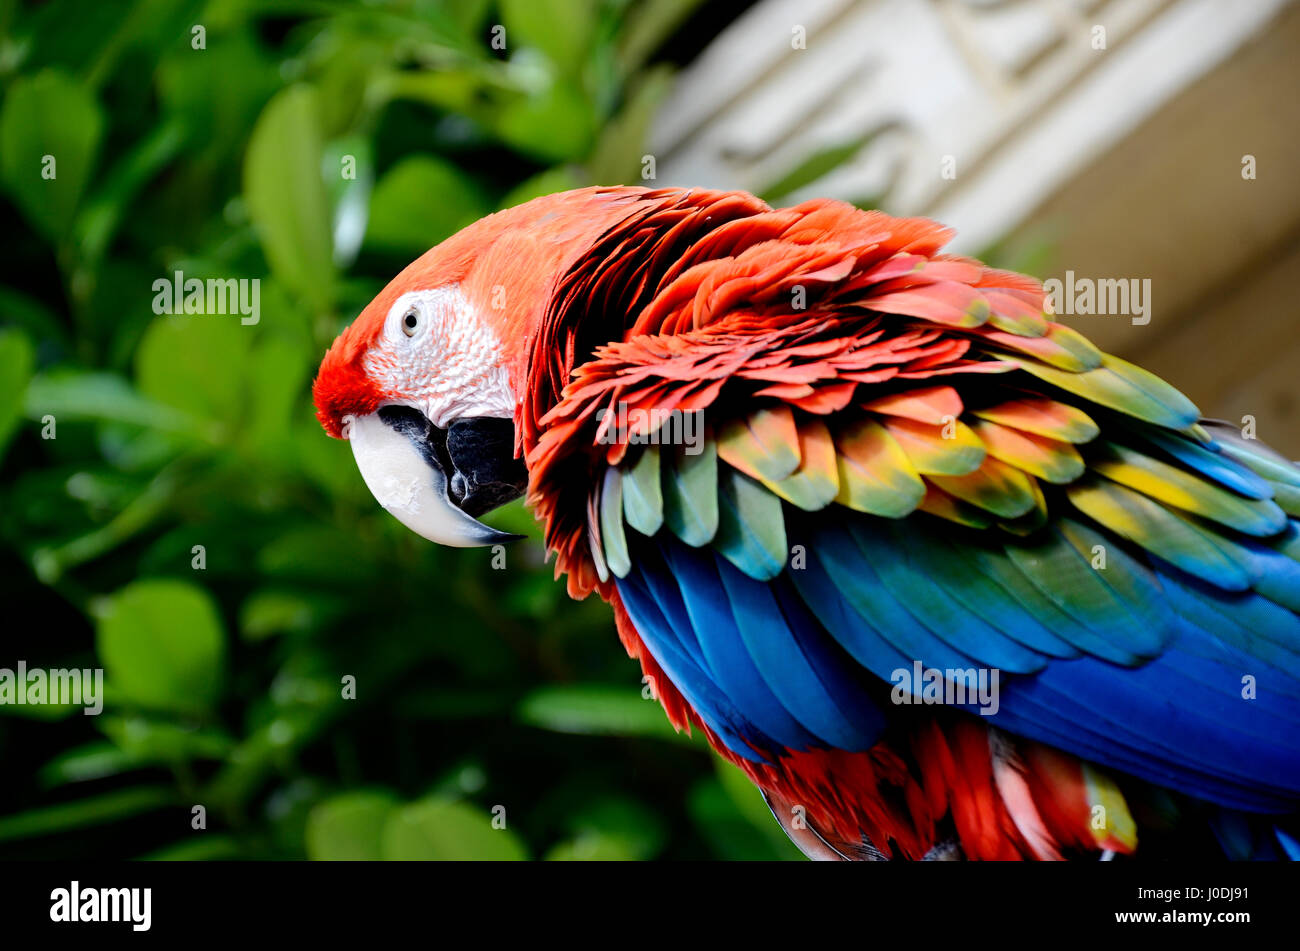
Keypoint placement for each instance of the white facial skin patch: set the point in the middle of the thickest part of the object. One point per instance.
(436, 355)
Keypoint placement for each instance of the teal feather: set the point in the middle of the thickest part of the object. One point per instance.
(751, 526)
(613, 539)
(643, 502)
(690, 493)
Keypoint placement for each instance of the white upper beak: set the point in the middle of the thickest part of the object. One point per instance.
(404, 482)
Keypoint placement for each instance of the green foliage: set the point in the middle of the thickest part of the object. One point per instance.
(277, 649)
(285, 194)
(349, 826)
(442, 829)
(421, 200)
(16, 360)
(162, 646)
(49, 132)
(601, 711)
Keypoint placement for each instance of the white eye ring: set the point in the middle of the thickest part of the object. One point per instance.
(410, 321)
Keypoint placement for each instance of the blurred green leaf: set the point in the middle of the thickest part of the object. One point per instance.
(444, 830)
(157, 741)
(84, 763)
(47, 117)
(561, 29)
(136, 742)
(278, 372)
(50, 562)
(202, 847)
(810, 169)
(217, 115)
(68, 394)
(420, 201)
(469, 15)
(592, 847)
(17, 360)
(286, 196)
(606, 711)
(85, 812)
(196, 364)
(349, 827)
(348, 169)
(556, 124)
(163, 646)
(271, 611)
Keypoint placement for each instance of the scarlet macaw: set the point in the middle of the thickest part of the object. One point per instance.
(906, 466)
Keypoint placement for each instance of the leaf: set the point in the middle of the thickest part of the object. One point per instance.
(286, 195)
(217, 115)
(420, 201)
(109, 807)
(556, 124)
(163, 646)
(67, 394)
(277, 371)
(591, 709)
(205, 848)
(82, 763)
(349, 827)
(592, 846)
(561, 29)
(157, 741)
(348, 170)
(48, 117)
(196, 364)
(443, 830)
(17, 359)
(268, 612)
(811, 168)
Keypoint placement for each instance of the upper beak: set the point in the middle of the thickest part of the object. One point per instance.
(435, 481)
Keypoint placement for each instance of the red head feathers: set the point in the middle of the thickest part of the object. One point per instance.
(504, 267)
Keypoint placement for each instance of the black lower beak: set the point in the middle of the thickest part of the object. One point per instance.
(475, 455)
(486, 472)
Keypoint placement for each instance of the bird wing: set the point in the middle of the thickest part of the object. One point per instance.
(901, 458)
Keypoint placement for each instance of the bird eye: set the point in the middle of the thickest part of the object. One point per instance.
(410, 322)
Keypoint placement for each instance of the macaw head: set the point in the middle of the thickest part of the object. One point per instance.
(425, 382)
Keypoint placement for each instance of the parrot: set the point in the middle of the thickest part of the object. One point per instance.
(942, 578)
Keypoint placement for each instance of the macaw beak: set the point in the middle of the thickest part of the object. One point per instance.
(435, 481)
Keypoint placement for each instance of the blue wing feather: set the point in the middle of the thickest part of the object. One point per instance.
(784, 659)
